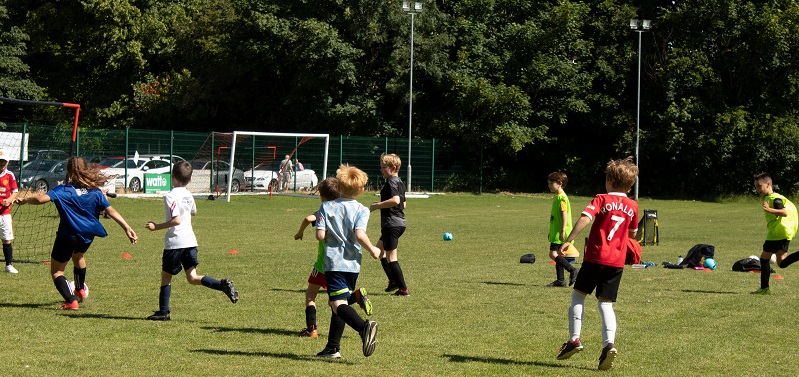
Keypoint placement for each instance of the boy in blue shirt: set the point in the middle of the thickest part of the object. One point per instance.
(342, 226)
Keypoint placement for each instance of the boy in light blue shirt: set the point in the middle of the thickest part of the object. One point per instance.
(341, 224)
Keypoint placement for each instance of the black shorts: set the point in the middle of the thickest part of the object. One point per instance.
(390, 237)
(65, 246)
(775, 246)
(605, 279)
(173, 259)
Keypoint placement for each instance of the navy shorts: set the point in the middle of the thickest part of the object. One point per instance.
(775, 246)
(390, 237)
(340, 284)
(65, 246)
(173, 259)
(605, 279)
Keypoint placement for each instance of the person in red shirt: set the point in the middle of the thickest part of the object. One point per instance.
(615, 219)
(8, 192)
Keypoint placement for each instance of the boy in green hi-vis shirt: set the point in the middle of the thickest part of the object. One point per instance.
(560, 224)
(782, 220)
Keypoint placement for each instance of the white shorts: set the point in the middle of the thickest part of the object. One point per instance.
(6, 233)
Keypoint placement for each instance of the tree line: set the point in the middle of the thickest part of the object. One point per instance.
(515, 88)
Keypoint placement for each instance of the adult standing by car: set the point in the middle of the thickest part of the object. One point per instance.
(286, 172)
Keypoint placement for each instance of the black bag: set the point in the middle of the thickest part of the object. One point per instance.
(648, 233)
(527, 258)
(695, 255)
(748, 264)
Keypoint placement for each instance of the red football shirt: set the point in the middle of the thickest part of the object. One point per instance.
(614, 215)
(8, 184)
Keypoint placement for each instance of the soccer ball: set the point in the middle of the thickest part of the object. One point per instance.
(710, 263)
(447, 236)
(773, 259)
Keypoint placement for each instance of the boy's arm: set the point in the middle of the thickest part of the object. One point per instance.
(363, 239)
(121, 221)
(320, 234)
(564, 218)
(305, 222)
(174, 221)
(388, 203)
(578, 227)
(782, 212)
(631, 233)
(35, 200)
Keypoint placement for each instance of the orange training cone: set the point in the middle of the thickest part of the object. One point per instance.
(126, 256)
(234, 251)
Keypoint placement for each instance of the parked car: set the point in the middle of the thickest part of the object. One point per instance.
(214, 176)
(266, 175)
(115, 166)
(42, 175)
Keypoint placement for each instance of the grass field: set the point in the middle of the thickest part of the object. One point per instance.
(474, 310)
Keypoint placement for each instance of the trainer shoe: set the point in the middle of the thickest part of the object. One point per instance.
(10, 269)
(573, 276)
(557, 283)
(329, 352)
(569, 348)
(363, 300)
(160, 316)
(392, 286)
(70, 306)
(308, 333)
(762, 291)
(230, 290)
(402, 293)
(608, 357)
(368, 335)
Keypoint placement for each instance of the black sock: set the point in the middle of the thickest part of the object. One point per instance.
(63, 288)
(399, 278)
(163, 298)
(8, 253)
(310, 317)
(561, 261)
(386, 269)
(785, 262)
(336, 330)
(765, 272)
(559, 272)
(351, 317)
(212, 283)
(80, 277)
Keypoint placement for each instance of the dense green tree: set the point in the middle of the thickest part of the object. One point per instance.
(15, 79)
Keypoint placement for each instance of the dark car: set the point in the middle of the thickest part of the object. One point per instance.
(42, 175)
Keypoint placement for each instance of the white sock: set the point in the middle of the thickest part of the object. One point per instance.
(576, 315)
(608, 322)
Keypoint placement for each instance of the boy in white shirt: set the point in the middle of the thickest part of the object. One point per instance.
(180, 244)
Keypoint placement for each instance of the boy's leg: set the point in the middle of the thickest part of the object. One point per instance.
(574, 345)
(310, 311)
(765, 269)
(608, 356)
(188, 259)
(392, 285)
(164, 296)
(8, 254)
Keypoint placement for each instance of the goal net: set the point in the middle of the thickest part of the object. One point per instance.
(277, 162)
(36, 155)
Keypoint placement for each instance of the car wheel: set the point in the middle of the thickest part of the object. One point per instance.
(135, 185)
(41, 185)
(234, 186)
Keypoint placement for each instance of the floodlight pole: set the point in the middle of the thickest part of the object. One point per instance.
(417, 8)
(638, 26)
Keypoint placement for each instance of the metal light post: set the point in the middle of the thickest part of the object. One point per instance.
(412, 9)
(638, 26)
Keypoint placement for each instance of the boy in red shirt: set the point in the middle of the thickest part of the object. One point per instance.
(8, 192)
(615, 219)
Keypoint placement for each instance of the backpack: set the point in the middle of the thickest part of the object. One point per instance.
(527, 258)
(696, 254)
(748, 264)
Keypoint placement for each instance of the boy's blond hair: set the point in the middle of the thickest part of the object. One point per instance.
(351, 180)
(391, 160)
(621, 173)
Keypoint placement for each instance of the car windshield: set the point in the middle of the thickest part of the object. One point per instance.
(39, 165)
(118, 163)
(198, 165)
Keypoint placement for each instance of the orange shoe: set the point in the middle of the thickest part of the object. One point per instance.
(70, 306)
(83, 293)
(309, 333)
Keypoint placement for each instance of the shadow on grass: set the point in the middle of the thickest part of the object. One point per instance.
(503, 283)
(251, 330)
(288, 356)
(29, 305)
(291, 290)
(713, 292)
(493, 360)
(79, 314)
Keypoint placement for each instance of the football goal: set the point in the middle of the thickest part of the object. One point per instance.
(276, 162)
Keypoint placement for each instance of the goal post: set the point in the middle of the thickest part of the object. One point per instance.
(264, 150)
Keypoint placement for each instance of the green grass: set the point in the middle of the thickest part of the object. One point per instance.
(474, 309)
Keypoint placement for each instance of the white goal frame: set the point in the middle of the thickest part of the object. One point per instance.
(273, 134)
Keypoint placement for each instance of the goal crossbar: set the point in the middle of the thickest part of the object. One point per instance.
(274, 134)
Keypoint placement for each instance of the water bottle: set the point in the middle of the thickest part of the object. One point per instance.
(679, 259)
